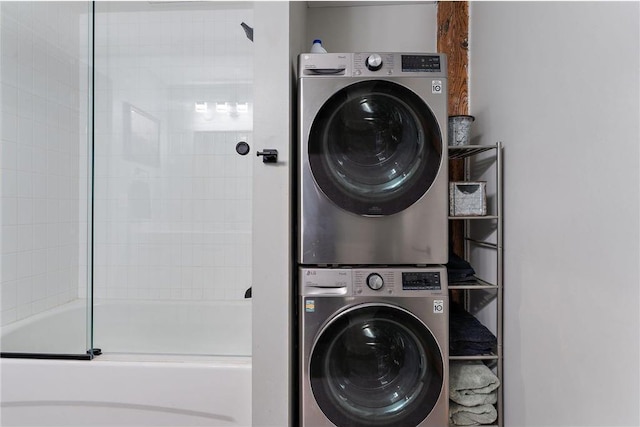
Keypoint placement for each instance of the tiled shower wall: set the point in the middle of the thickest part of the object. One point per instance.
(172, 196)
(43, 159)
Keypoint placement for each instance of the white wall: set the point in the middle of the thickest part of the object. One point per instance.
(558, 83)
(272, 350)
(404, 26)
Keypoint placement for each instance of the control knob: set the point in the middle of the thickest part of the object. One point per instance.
(374, 62)
(374, 281)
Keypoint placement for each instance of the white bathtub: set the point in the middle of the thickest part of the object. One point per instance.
(122, 388)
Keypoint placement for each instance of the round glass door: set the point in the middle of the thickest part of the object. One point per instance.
(376, 365)
(375, 148)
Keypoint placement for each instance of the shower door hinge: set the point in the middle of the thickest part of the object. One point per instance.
(94, 352)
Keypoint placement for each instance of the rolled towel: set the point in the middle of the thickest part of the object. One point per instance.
(472, 383)
(472, 415)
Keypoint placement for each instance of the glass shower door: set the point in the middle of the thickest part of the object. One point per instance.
(45, 191)
(172, 212)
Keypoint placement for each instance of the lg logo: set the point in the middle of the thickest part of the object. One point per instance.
(436, 86)
(438, 306)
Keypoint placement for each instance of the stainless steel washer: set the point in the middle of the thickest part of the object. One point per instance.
(372, 167)
(373, 347)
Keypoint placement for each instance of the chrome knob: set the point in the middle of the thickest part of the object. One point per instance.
(374, 281)
(374, 62)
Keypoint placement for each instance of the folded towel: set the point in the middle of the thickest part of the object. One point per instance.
(470, 348)
(458, 269)
(467, 336)
(472, 415)
(472, 383)
(474, 399)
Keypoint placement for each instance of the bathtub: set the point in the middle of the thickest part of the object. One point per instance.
(202, 378)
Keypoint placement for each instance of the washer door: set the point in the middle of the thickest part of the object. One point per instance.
(376, 365)
(375, 148)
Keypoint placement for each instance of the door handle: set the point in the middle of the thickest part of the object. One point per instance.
(269, 155)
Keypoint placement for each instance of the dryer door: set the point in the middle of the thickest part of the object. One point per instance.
(375, 148)
(376, 365)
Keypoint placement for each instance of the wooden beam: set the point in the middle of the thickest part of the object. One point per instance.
(453, 39)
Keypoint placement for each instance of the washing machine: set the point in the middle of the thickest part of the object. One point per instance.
(373, 347)
(372, 159)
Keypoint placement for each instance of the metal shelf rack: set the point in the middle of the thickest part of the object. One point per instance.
(495, 358)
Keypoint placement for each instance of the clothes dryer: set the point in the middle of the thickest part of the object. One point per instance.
(373, 347)
(372, 161)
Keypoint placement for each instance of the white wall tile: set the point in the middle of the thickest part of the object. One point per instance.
(9, 121)
(9, 210)
(25, 211)
(24, 237)
(24, 129)
(9, 268)
(41, 115)
(23, 183)
(24, 291)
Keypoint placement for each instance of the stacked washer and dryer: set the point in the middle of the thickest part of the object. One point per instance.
(372, 240)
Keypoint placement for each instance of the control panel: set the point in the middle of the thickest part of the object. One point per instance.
(373, 63)
(420, 280)
(417, 63)
(389, 64)
(409, 281)
(368, 64)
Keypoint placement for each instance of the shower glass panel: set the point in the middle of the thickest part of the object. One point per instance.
(45, 189)
(172, 212)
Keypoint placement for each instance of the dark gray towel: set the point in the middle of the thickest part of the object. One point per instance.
(459, 270)
(467, 336)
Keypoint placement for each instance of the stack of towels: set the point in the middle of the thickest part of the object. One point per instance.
(472, 391)
(467, 336)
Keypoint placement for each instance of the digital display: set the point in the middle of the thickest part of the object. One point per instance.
(418, 281)
(420, 63)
